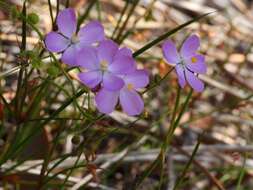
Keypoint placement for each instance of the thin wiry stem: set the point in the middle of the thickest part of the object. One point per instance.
(187, 166)
(120, 19)
(126, 21)
(51, 13)
(86, 14)
(167, 34)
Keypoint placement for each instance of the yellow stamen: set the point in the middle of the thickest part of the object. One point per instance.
(130, 86)
(104, 65)
(194, 59)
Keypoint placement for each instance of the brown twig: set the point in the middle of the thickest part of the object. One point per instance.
(214, 180)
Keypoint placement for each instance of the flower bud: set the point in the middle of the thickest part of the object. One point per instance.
(33, 18)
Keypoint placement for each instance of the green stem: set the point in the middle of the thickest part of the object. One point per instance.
(187, 166)
(57, 10)
(86, 14)
(48, 156)
(64, 157)
(64, 170)
(137, 19)
(98, 7)
(120, 19)
(21, 71)
(174, 126)
(24, 19)
(18, 147)
(165, 145)
(164, 148)
(54, 24)
(67, 4)
(51, 12)
(72, 86)
(19, 93)
(124, 36)
(71, 170)
(241, 174)
(159, 82)
(166, 35)
(126, 21)
(6, 104)
(176, 106)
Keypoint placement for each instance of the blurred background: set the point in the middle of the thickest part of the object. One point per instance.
(123, 147)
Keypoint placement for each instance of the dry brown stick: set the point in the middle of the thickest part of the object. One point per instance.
(16, 38)
(224, 87)
(170, 170)
(214, 180)
(235, 78)
(144, 155)
(233, 160)
(110, 162)
(242, 8)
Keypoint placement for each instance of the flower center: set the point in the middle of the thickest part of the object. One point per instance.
(130, 86)
(194, 59)
(74, 39)
(104, 65)
(182, 63)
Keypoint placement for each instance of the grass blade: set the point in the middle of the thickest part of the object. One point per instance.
(167, 34)
(16, 149)
(187, 166)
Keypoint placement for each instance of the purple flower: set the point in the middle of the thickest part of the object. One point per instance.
(67, 41)
(131, 102)
(104, 65)
(188, 63)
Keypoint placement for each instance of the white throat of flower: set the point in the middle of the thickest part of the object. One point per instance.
(74, 39)
(182, 62)
(104, 65)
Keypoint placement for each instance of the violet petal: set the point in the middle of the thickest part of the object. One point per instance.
(106, 100)
(170, 52)
(66, 22)
(139, 79)
(194, 82)
(91, 78)
(196, 64)
(106, 50)
(92, 32)
(87, 58)
(131, 102)
(112, 82)
(56, 42)
(69, 56)
(190, 46)
(122, 65)
(180, 76)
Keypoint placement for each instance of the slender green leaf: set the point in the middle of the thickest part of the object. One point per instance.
(167, 34)
(187, 166)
